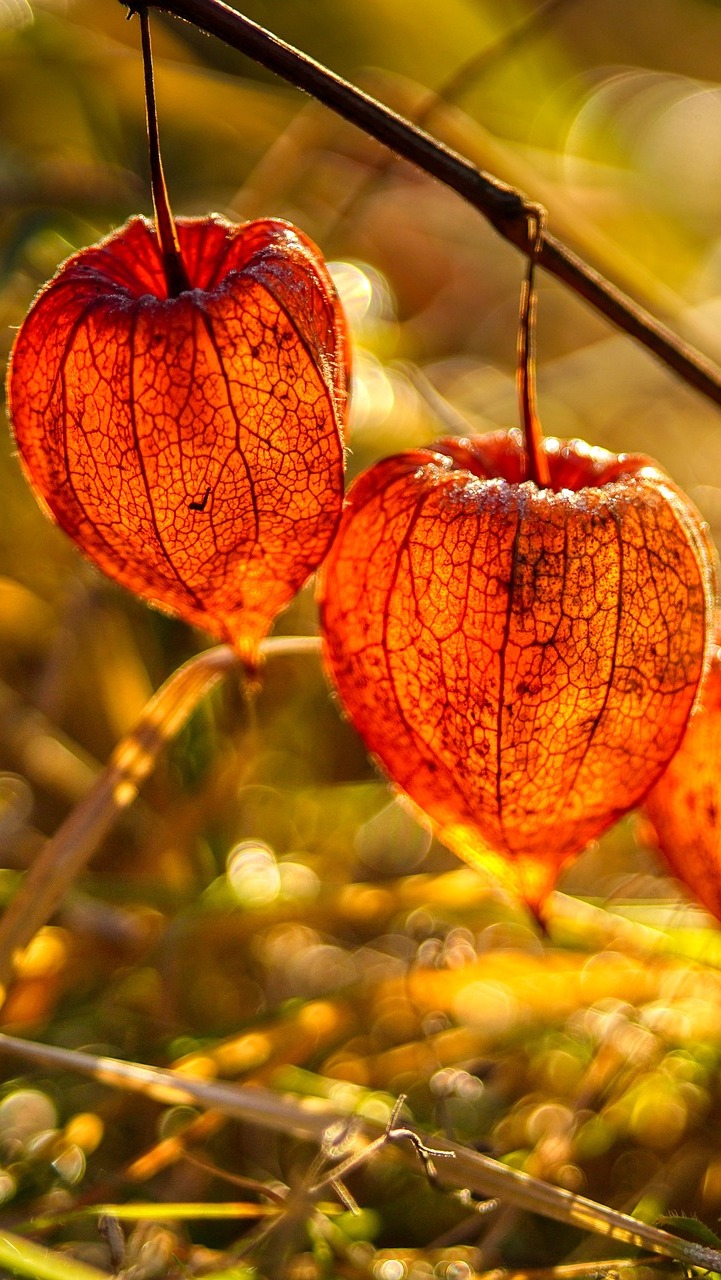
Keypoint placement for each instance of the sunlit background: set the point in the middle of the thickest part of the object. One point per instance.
(267, 911)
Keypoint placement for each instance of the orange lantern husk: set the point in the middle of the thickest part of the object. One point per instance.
(520, 660)
(191, 445)
(685, 805)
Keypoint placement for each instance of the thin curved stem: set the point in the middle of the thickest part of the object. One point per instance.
(175, 274)
(63, 857)
(504, 207)
(538, 470)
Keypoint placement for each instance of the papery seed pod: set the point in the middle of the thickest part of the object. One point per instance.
(685, 805)
(191, 445)
(521, 660)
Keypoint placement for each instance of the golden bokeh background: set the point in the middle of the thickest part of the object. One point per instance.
(266, 911)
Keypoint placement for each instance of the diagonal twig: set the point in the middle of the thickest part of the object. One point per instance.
(503, 206)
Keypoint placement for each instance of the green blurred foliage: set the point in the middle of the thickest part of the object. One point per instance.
(266, 901)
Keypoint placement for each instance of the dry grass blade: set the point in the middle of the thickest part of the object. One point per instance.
(468, 1169)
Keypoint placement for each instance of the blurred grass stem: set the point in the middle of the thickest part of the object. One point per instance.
(25, 1258)
(64, 856)
(506, 209)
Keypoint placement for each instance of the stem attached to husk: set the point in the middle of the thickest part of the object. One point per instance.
(537, 461)
(175, 274)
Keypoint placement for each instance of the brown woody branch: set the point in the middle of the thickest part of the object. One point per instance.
(505, 208)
